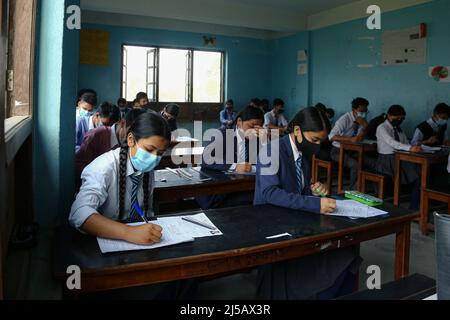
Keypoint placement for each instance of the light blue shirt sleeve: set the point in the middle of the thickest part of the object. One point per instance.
(417, 138)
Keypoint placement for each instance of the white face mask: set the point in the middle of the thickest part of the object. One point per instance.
(362, 115)
(441, 122)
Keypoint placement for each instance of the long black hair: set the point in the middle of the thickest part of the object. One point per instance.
(146, 125)
(310, 119)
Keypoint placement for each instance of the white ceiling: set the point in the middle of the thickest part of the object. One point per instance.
(269, 15)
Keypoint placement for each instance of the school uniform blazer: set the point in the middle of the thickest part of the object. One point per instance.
(280, 189)
(223, 166)
(207, 201)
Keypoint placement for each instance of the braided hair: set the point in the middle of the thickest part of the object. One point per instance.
(146, 125)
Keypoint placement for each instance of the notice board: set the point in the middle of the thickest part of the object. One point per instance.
(94, 47)
(404, 46)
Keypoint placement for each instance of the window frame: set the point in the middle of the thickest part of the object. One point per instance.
(191, 50)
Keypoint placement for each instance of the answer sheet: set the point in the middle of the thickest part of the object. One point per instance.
(355, 209)
(175, 230)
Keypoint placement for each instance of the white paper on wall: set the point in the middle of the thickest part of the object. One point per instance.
(404, 46)
(302, 69)
(302, 55)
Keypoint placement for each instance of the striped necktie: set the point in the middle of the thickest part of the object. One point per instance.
(355, 129)
(242, 152)
(134, 195)
(396, 134)
(299, 170)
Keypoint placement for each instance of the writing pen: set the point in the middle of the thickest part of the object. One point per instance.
(141, 214)
(199, 223)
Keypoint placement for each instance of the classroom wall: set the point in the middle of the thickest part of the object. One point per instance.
(338, 50)
(247, 61)
(56, 73)
(285, 82)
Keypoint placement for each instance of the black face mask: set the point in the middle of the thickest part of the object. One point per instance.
(280, 111)
(396, 123)
(308, 149)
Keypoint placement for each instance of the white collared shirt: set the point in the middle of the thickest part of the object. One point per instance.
(114, 140)
(239, 145)
(418, 135)
(344, 128)
(297, 154)
(100, 189)
(271, 118)
(386, 139)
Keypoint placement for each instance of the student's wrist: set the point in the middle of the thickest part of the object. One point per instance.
(125, 232)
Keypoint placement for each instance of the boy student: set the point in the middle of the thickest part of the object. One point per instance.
(227, 115)
(86, 104)
(390, 137)
(170, 113)
(433, 132)
(141, 100)
(351, 127)
(106, 115)
(103, 139)
(275, 118)
(123, 106)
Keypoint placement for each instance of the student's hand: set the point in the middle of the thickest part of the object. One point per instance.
(362, 122)
(144, 234)
(243, 167)
(322, 189)
(355, 139)
(432, 140)
(416, 149)
(327, 205)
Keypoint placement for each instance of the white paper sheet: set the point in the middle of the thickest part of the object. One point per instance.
(355, 209)
(428, 149)
(175, 231)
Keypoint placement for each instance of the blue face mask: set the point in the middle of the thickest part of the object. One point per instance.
(84, 113)
(441, 122)
(145, 161)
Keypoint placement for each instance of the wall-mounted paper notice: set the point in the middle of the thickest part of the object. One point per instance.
(302, 55)
(302, 69)
(94, 47)
(404, 46)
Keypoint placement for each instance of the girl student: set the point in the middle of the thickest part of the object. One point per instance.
(117, 182)
(320, 276)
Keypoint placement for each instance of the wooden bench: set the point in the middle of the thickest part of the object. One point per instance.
(443, 195)
(374, 177)
(328, 166)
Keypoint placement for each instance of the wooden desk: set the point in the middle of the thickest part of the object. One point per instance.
(243, 245)
(360, 148)
(177, 188)
(415, 287)
(181, 157)
(424, 160)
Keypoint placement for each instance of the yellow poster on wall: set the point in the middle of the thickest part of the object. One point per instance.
(94, 47)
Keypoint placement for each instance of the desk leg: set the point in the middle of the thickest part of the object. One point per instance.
(424, 211)
(423, 186)
(360, 167)
(341, 170)
(397, 181)
(402, 243)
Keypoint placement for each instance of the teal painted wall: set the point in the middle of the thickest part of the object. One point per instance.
(337, 50)
(286, 84)
(53, 112)
(247, 61)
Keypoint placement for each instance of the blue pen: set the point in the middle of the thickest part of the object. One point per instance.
(138, 209)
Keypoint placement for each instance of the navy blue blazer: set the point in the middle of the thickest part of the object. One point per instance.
(281, 189)
(207, 202)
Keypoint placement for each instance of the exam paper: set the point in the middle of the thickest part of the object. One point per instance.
(428, 149)
(355, 209)
(251, 173)
(175, 231)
